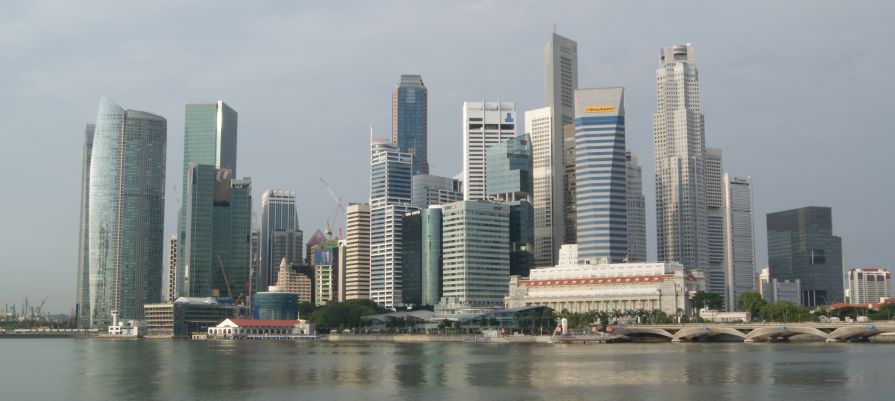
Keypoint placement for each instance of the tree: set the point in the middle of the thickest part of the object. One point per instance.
(785, 311)
(885, 312)
(751, 302)
(703, 299)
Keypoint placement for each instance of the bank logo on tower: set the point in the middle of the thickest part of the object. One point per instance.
(509, 118)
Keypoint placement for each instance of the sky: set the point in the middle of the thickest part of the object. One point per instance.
(795, 94)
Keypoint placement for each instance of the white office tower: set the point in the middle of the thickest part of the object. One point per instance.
(867, 286)
(547, 188)
(714, 200)
(390, 177)
(484, 124)
(636, 209)
(679, 149)
(739, 240)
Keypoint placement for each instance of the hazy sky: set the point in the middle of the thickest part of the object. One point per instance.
(796, 94)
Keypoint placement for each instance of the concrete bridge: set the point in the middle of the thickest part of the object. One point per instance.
(759, 332)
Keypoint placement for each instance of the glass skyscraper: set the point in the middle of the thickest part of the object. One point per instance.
(126, 206)
(82, 291)
(280, 235)
(409, 120)
(600, 175)
(508, 178)
(215, 216)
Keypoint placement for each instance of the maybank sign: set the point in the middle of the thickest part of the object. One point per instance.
(599, 109)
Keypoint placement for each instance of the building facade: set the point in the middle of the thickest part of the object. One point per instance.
(715, 273)
(636, 204)
(739, 239)
(82, 289)
(186, 316)
(279, 231)
(560, 83)
(509, 181)
(547, 185)
(484, 124)
(679, 151)
(867, 286)
(126, 210)
(430, 190)
(432, 257)
(390, 182)
(579, 287)
(600, 174)
(171, 287)
(410, 120)
(411, 259)
(475, 246)
(357, 252)
(801, 246)
(570, 203)
(294, 282)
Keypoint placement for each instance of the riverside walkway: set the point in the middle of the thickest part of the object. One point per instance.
(760, 332)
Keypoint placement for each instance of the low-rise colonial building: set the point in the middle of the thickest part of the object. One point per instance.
(245, 329)
(583, 287)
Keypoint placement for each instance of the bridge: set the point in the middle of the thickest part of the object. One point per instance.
(759, 332)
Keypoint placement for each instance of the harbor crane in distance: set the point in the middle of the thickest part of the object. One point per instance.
(339, 209)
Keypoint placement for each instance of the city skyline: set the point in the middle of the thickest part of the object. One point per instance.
(782, 182)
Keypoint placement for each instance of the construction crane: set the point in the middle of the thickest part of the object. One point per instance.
(226, 280)
(339, 208)
(40, 308)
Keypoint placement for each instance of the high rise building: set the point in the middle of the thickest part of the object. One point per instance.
(739, 240)
(509, 182)
(801, 246)
(82, 291)
(679, 150)
(291, 281)
(547, 188)
(600, 175)
(171, 288)
(484, 124)
(867, 286)
(280, 235)
(636, 209)
(715, 276)
(569, 203)
(411, 259)
(390, 194)
(214, 250)
(126, 210)
(476, 255)
(428, 190)
(357, 252)
(432, 257)
(340, 270)
(410, 120)
(324, 259)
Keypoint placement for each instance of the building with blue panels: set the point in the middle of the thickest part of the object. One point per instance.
(409, 120)
(275, 306)
(600, 175)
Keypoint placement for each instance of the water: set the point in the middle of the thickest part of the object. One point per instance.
(80, 369)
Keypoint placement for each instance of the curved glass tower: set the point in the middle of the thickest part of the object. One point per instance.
(126, 212)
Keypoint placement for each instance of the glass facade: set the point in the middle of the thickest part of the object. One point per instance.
(125, 212)
(278, 218)
(82, 291)
(411, 260)
(600, 175)
(508, 169)
(275, 306)
(432, 259)
(409, 120)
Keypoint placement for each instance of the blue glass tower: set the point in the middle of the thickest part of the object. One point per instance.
(409, 120)
(600, 175)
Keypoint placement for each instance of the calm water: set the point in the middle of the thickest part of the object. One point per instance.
(56, 369)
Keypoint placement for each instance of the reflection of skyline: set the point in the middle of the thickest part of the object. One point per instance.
(151, 369)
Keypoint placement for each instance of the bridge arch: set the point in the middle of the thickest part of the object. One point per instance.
(634, 330)
(782, 331)
(859, 332)
(691, 333)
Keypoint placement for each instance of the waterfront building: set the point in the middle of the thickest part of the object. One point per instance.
(341, 253)
(212, 219)
(636, 205)
(431, 257)
(82, 289)
(739, 240)
(569, 202)
(679, 150)
(185, 316)
(600, 175)
(715, 272)
(579, 287)
(484, 124)
(411, 260)
(868, 286)
(509, 182)
(410, 120)
(390, 177)
(126, 203)
(428, 190)
(244, 329)
(275, 305)
(294, 282)
(280, 234)
(476, 256)
(323, 258)
(801, 245)
(357, 252)
(171, 288)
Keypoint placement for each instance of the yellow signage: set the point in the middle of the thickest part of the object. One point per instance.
(599, 109)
